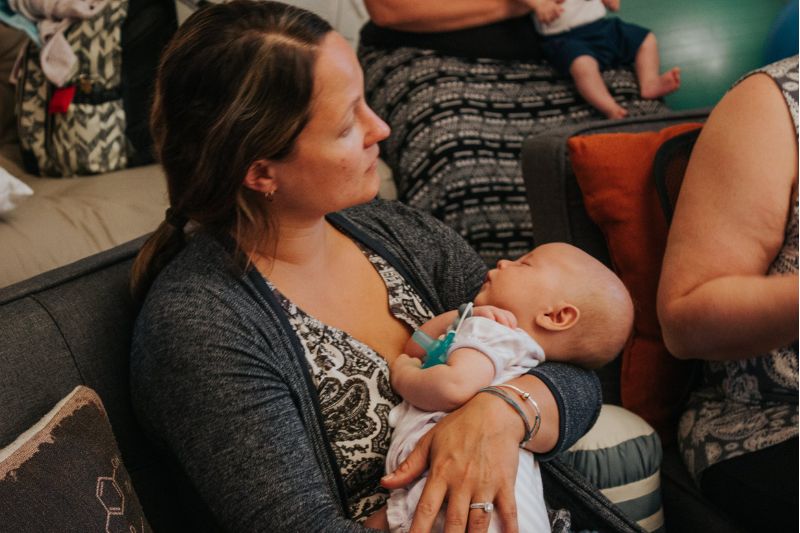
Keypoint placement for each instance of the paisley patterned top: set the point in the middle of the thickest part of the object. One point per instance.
(355, 395)
(748, 405)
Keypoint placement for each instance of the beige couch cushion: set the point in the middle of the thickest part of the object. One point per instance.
(71, 218)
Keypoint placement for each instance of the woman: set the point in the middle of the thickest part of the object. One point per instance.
(462, 83)
(729, 295)
(277, 293)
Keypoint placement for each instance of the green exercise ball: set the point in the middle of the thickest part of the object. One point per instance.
(714, 42)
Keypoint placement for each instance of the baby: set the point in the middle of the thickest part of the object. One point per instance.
(581, 42)
(556, 301)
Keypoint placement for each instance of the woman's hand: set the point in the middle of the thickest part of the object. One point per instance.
(501, 316)
(472, 457)
(546, 10)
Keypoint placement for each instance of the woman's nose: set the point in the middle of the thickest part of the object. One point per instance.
(378, 130)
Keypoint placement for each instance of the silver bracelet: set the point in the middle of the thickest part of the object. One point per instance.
(526, 396)
(506, 398)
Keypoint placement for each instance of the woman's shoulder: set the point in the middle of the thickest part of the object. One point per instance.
(784, 72)
(201, 279)
(784, 76)
(203, 260)
(378, 209)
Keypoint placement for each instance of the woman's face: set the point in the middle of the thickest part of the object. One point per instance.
(334, 161)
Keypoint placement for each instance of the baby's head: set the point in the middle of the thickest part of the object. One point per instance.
(572, 304)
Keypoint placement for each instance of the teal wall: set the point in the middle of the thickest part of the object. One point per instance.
(712, 41)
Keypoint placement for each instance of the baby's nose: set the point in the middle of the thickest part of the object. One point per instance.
(503, 263)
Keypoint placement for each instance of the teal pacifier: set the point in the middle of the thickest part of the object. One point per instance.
(436, 349)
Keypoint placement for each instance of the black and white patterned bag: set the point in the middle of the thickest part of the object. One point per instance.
(89, 131)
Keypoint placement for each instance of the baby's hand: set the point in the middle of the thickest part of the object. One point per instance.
(398, 368)
(406, 360)
(501, 316)
(612, 5)
(546, 10)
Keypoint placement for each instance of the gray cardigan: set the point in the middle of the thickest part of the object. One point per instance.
(220, 380)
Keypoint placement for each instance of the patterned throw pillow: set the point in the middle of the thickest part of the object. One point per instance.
(621, 455)
(65, 474)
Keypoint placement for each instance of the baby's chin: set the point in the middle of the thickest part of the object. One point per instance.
(482, 297)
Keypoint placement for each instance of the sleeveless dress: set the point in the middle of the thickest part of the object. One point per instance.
(748, 405)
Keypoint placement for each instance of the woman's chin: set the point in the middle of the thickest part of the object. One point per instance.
(373, 183)
(365, 195)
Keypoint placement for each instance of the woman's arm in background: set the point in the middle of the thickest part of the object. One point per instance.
(433, 16)
(715, 300)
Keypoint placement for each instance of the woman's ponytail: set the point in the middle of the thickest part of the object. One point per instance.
(234, 86)
(158, 250)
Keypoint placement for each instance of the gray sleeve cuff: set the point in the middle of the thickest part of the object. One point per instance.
(578, 396)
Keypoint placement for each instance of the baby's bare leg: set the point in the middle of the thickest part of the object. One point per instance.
(378, 520)
(651, 83)
(586, 72)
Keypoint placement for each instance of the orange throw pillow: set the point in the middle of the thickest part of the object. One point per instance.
(614, 172)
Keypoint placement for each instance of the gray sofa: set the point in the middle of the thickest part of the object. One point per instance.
(559, 215)
(72, 326)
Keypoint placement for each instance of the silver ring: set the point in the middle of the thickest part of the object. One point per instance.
(487, 507)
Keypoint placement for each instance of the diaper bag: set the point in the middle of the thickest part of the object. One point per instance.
(97, 121)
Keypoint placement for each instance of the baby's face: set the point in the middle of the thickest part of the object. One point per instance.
(524, 286)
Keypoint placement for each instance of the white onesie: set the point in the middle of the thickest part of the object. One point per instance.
(513, 353)
(576, 13)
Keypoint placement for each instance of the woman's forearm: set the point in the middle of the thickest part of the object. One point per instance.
(562, 422)
(472, 452)
(732, 317)
(431, 16)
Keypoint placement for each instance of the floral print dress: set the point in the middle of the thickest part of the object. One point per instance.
(355, 395)
(748, 405)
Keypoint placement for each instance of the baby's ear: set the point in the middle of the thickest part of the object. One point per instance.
(559, 318)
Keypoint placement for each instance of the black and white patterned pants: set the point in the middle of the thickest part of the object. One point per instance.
(457, 130)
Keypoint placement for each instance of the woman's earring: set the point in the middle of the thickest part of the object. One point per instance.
(269, 195)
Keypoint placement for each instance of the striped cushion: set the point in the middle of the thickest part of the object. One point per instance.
(621, 455)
